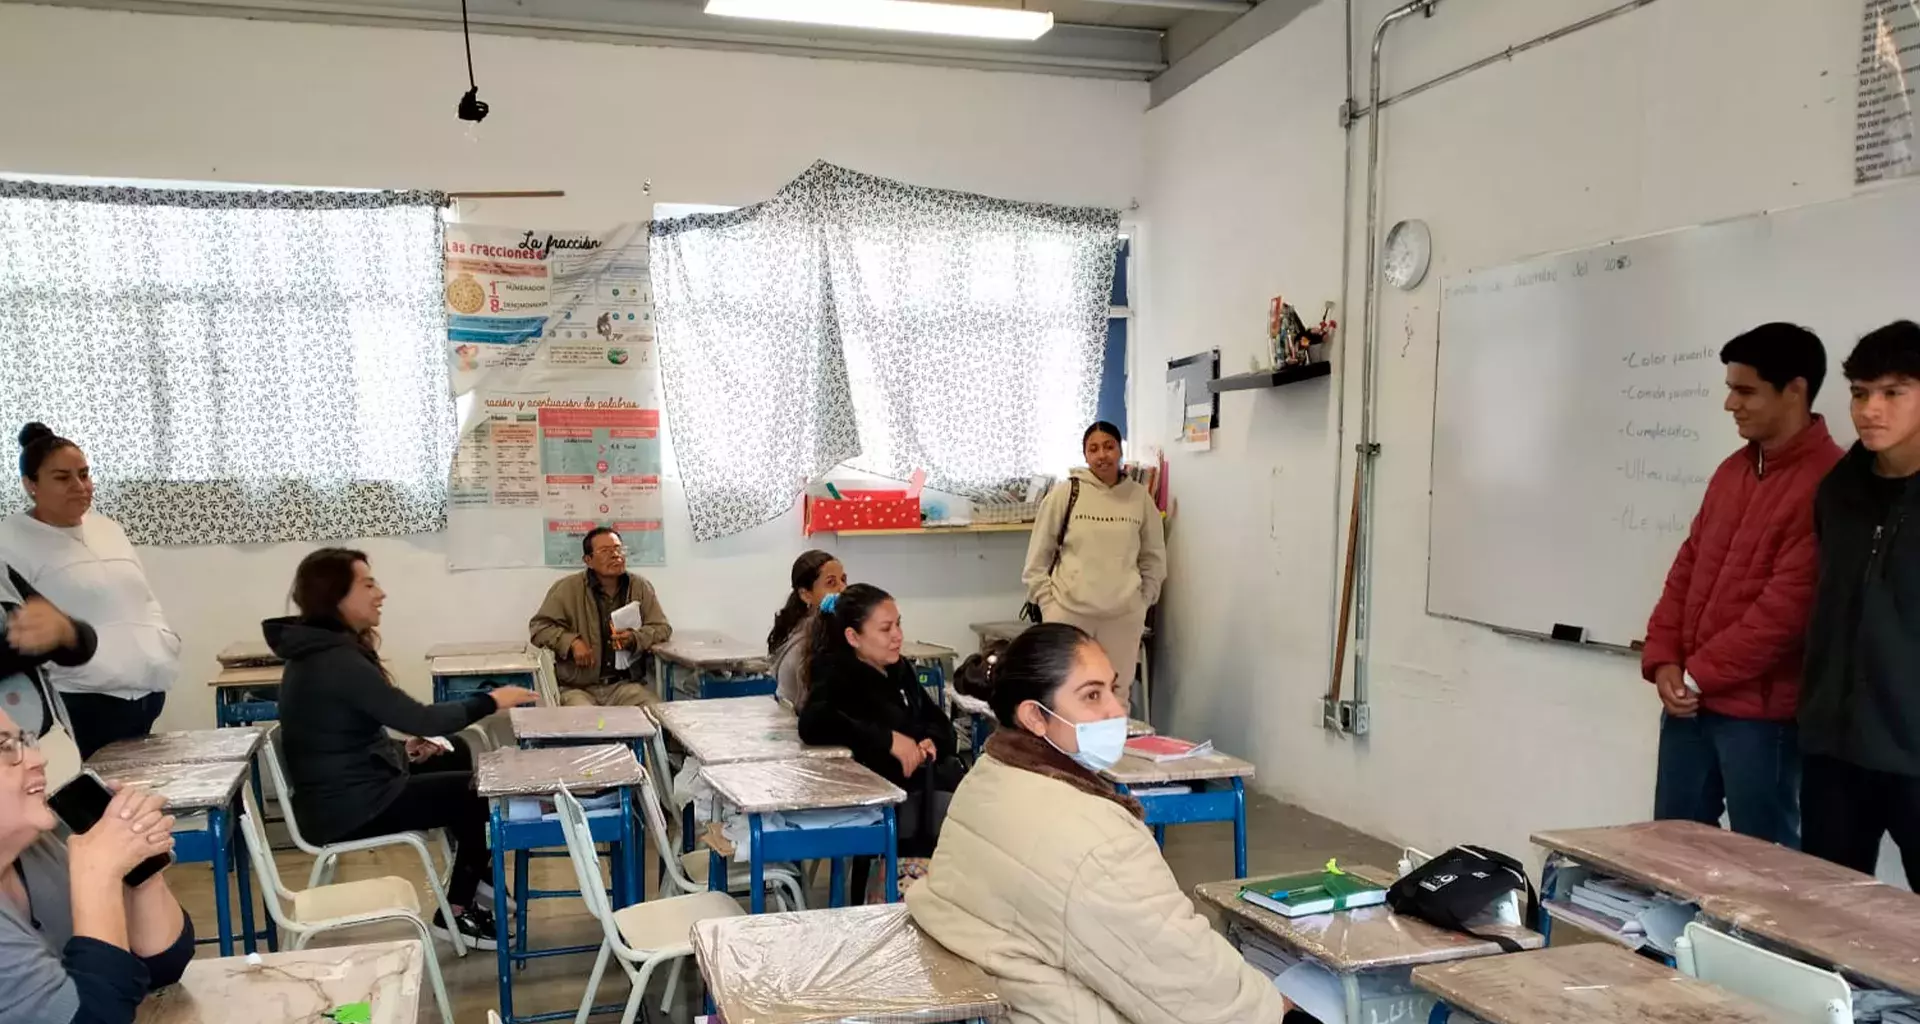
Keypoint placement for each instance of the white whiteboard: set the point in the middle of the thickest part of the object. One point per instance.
(1579, 415)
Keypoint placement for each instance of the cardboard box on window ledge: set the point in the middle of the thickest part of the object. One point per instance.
(862, 510)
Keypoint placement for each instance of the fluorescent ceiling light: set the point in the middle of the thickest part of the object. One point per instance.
(895, 16)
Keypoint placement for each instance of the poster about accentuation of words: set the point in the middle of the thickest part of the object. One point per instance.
(551, 341)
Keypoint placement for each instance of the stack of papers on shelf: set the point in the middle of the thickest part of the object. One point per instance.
(535, 808)
(1880, 1006)
(1161, 749)
(1631, 915)
(1170, 789)
(1264, 954)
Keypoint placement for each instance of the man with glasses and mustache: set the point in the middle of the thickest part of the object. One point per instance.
(575, 623)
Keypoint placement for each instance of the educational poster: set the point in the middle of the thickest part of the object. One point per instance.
(535, 471)
(1884, 122)
(550, 338)
(525, 301)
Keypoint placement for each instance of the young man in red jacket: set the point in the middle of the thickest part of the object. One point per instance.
(1725, 643)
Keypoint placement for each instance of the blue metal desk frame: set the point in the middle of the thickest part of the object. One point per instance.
(712, 685)
(521, 836)
(1206, 803)
(794, 845)
(447, 688)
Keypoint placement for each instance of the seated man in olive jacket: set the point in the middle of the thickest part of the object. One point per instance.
(574, 622)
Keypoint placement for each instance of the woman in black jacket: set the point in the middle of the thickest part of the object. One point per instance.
(35, 633)
(865, 697)
(350, 779)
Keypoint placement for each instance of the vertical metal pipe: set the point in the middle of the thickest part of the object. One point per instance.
(1346, 320)
(1369, 406)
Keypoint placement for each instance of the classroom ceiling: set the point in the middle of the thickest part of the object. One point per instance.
(1126, 39)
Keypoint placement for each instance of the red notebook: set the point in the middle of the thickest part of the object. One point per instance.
(1166, 748)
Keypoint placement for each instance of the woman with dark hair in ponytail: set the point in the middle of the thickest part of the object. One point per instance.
(350, 780)
(816, 575)
(864, 696)
(1049, 880)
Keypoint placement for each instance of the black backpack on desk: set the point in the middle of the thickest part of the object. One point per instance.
(1458, 885)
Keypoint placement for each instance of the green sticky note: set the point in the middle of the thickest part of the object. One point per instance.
(353, 1013)
(600, 724)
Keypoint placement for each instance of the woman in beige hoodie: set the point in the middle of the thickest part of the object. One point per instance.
(1047, 878)
(1107, 571)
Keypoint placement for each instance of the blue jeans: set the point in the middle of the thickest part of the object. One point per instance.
(1750, 769)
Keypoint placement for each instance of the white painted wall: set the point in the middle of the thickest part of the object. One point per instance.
(200, 99)
(1679, 113)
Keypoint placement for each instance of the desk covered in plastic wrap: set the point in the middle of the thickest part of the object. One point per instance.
(1368, 939)
(581, 723)
(185, 787)
(1591, 983)
(799, 784)
(511, 771)
(866, 964)
(1695, 861)
(195, 746)
(729, 730)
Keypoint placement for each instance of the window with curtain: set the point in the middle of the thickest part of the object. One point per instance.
(960, 334)
(240, 366)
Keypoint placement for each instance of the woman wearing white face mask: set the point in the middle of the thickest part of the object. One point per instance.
(1047, 878)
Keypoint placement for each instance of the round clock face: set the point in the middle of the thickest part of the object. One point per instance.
(1409, 248)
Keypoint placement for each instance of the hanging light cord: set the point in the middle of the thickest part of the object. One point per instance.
(466, 33)
(472, 108)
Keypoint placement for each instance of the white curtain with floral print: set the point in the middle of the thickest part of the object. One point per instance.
(888, 326)
(240, 366)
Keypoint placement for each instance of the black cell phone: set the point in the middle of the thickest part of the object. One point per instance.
(83, 802)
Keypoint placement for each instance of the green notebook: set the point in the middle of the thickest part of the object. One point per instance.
(1315, 892)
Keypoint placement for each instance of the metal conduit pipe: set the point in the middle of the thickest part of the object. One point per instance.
(1368, 448)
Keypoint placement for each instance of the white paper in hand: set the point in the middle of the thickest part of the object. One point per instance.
(626, 617)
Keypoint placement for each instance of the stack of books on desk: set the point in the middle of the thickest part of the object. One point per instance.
(1632, 916)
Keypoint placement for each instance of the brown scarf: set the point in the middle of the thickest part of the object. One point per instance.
(1018, 748)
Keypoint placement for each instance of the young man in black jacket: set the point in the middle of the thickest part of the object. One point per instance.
(1860, 705)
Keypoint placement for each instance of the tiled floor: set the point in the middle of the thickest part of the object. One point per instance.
(1280, 838)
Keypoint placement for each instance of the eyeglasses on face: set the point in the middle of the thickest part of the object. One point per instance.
(14, 746)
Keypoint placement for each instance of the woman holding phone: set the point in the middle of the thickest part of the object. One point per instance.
(76, 943)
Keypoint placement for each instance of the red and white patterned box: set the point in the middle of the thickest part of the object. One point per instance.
(862, 510)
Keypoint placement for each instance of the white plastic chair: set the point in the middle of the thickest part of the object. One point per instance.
(326, 857)
(687, 873)
(546, 682)
(324, 908)
(1801, 991)
(644, 935)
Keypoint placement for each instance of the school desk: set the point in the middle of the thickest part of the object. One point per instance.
(704, 664)
(759, 788)
(1217, 791)
(246, 694)
(247, 654)
(571, 726)
(211, 789)
(463, 675)
(1811, 909)
(305, 985)
(1371, 949)
(989, 632)
(1589, 983)
(454, 648)
(933, 666)
(830, 966)
(509, 772)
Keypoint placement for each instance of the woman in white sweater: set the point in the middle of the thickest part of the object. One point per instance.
(83, 563)
(1099, 554)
